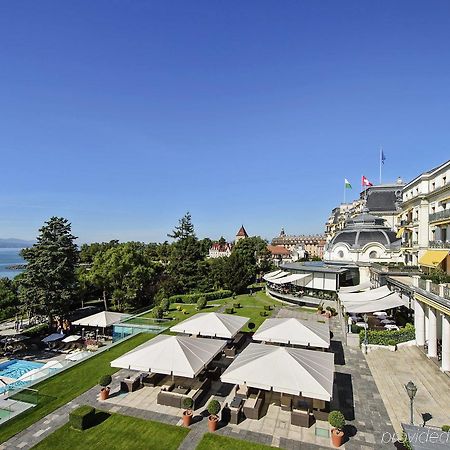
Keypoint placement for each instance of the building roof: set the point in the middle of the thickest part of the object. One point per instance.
(242, 232)
(221, 247)
(313, 267)
(278, 250)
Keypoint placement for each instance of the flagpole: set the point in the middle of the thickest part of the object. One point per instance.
(345, 189)
(381, 152)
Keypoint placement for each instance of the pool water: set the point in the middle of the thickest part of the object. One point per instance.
(15, 368)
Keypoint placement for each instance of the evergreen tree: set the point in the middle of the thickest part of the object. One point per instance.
(184, 229)
(48, 284)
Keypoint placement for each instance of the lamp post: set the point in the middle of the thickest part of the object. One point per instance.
(411, 389)
(366, 319)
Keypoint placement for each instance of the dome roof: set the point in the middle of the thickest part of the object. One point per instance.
(366, 229)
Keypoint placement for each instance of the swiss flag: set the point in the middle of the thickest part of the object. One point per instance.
(365, 181)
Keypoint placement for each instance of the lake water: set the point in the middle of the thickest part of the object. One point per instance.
(9, 256)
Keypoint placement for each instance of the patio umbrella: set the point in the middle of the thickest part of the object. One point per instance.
(34, 374)
(294, 331)
(211, 324)
(172, 355)
(284, 369)
(102, 319)
(53, 337)
(380, 313)
(56, 364)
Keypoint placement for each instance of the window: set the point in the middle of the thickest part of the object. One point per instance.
(373, 254)
(340, 254)
(433, 186)
(444, 180)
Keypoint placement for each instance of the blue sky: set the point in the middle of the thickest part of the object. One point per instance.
(122, 115)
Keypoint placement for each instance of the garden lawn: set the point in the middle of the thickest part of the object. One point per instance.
(252, 306)
(217, 442)
(64, 387)
(116, 432)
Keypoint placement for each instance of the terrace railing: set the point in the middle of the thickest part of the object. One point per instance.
(439, 215)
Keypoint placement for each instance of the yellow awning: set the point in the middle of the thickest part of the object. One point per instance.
(400, 232)
(445, 199)
(433, 258)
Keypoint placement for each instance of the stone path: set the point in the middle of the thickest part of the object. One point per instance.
(392, 370)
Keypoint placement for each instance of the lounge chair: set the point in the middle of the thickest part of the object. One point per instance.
(301, 417)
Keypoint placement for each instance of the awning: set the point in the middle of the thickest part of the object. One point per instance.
(294, 331)
(432, 258)
(400, 232)
(290, 278)
(271, 274)
(373, 294)
(71, 338)
(211, 324)
(391, 301)
(289, 370)
(172, 355)
(278, 275)
(102, 319)
(357, 288)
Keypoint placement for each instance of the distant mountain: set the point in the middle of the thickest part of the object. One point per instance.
(14, 243)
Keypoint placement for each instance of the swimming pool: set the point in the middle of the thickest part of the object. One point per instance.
(15, 368)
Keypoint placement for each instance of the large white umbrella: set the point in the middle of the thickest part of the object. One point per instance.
(284, 369)
(294, 331)
(211, 324)
(102, 319)
(172, 355)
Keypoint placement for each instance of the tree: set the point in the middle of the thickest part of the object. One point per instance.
(184, 229)
(8, 298)
(238, 273)
(48, 284)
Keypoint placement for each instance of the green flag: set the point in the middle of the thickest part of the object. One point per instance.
(347, 184)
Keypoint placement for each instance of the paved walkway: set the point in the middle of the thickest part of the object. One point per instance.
(392, 370)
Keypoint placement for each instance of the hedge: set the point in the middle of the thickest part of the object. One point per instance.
(229, 310)
(389, 337)
(36, 330)
(193, 298)
(82, 417)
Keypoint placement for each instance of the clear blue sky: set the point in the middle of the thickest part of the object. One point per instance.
(122, 115)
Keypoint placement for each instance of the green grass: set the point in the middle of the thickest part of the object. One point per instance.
(64, 387)
(252, 306)
(116, 432)
(212, 441)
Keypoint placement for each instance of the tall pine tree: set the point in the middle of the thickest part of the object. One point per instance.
(48, 284)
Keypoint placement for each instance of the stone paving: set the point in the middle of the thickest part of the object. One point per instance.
(392, 370)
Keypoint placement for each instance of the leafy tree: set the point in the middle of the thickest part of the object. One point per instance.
(48, 284)
(201, 303)
(8, 298)
(165, 304)
(238, 273)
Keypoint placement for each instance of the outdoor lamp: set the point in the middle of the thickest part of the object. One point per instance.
(366, 319)
(411, 389)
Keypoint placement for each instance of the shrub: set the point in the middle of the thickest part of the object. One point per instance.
(320, 308)
(37, 330)
(188, 403)
(165, 304)
(251, 326)
(263, 313)
(236, 305)
(328, 308)
(178, 307)
(383, 337)
(184, 311)
(158, 312)
(213, 407)
(201, 303)
(193, 298)
(355, 329)
(82, 417)
(105, 380)
(229, 310)
(336, 420)
(391, 342)
(267, 307)
(445, 428)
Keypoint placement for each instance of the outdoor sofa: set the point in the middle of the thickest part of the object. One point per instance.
(253, 405)
(197, 391)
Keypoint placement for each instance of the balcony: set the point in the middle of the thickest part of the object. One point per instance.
(439, 244)
(441, 215)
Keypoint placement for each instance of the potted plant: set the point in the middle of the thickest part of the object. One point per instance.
(213, 409)
(337, 421)
(187, 413)
(104, 382)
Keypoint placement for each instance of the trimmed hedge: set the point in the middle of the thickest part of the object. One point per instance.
(82, 417)
(389, 337)
(267, 307)
(193, 298)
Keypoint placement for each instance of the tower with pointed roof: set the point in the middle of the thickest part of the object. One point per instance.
(241, 234)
